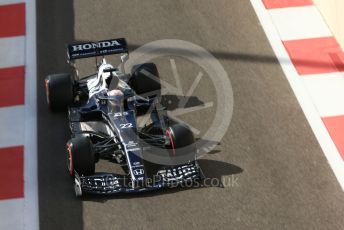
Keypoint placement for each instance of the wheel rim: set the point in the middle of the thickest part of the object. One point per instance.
(77, 187)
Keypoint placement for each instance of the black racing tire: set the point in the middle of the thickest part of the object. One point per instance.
(59, 91)
(181, 142)
(145, 80)
(80, 156)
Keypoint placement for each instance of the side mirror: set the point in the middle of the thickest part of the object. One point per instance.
(124, 58)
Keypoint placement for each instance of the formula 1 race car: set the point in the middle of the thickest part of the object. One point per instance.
(103, 109)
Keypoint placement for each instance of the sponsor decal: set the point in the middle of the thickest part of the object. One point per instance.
(138, 172)
(134, 149)
(94, 45)
(120, 114)
(131, 144)
(91, 49)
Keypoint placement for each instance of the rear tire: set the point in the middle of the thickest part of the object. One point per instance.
(80, 156)
(59, 91)
(182, 143)
(145, 80)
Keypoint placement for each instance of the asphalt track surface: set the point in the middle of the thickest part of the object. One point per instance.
(283, 178)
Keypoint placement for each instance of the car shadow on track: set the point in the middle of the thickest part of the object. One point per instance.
(245, 57)
(171, 102)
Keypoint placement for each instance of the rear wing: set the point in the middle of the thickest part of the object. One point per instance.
(94, 49)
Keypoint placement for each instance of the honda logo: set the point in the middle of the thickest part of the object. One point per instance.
(93, 45)
(138, 172)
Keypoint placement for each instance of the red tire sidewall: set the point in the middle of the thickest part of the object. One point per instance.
(169, 134)
(69, 147)
(47, 90)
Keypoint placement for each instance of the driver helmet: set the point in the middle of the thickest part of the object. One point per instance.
(116, 97)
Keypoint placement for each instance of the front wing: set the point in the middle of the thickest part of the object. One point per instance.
(110, 183)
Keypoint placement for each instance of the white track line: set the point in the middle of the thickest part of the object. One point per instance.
(11, 213)
(12, 51)
(327, 92)
(300, 92)
(299, 23)
(13, 121)
(31, 217)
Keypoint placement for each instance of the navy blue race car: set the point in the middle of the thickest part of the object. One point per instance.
(103, 110)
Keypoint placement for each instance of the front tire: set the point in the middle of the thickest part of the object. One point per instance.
(181, 143)
(59, 91)
(80, 156)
